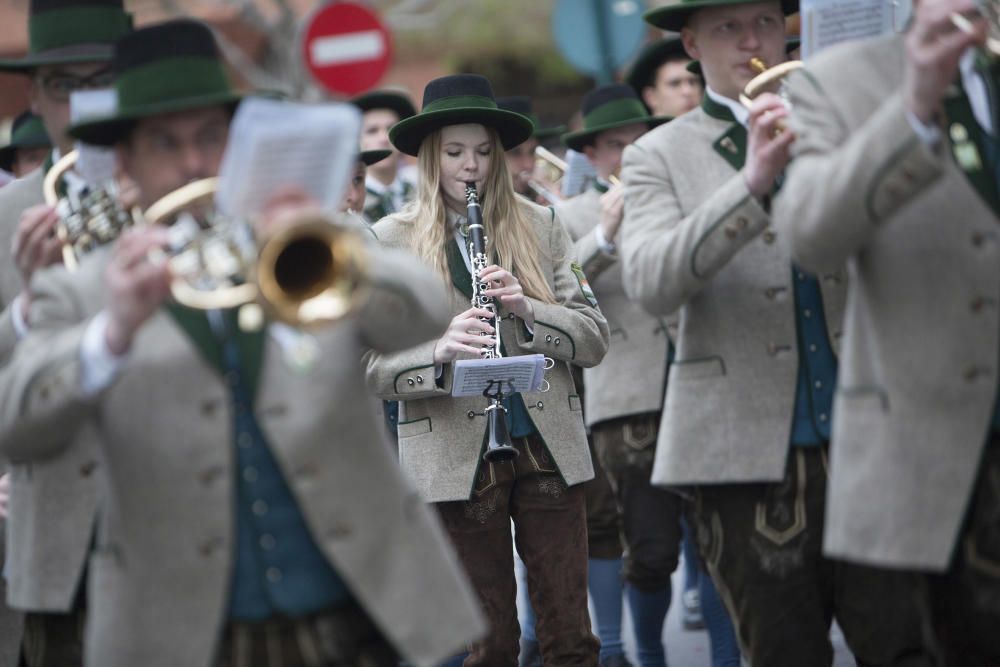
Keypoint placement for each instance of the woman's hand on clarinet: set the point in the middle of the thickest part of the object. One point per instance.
(506, 287)
(465, 334)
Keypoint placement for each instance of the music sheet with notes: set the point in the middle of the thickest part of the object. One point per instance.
(273, 143)
(523, 374)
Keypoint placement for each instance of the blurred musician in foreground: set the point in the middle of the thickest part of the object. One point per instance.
(897, 173)
(747, 413)
(252, 516)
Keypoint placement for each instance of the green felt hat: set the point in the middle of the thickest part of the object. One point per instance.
(642, 73)
(168, 67)
(455, 100)
(675, 16)
(386, 99)
(522, 104)
(28, 132)
(373, 156)
(791, 44)
(609, 107)
(62, 32)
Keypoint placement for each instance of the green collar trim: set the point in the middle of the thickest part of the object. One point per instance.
(460, 276)
(600, 187)
(716, 110)
(59, 28)
(459, 102)
(968, 146)
(732, 146)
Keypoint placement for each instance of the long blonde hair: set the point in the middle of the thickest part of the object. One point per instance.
(513, 240)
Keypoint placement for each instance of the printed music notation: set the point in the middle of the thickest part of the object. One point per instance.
(523, 374)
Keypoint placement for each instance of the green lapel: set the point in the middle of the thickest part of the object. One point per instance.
(732, 145)
(378, 209)
(195, 324)
(600, 187)
(460, 276)
(970, 147)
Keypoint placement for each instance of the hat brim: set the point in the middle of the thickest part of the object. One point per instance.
(544, 133)
(582, 138)
(112, 129)
(513, 128)
(674, 17)
(374, 156)
(70, 55)
(395, 102)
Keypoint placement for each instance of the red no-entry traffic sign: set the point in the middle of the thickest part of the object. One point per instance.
(346, 48)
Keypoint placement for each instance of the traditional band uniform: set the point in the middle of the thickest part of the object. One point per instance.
(624, 393)
(253, 515)
(441, 438)
(383, 200)
(916, 453)
(53, 503)
(747, 411)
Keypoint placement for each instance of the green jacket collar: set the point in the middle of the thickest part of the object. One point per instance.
(732, 145)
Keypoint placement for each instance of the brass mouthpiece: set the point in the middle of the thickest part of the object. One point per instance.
(758, 65)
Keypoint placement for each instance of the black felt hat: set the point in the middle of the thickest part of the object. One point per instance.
(172, 66)
(454, 100)
(28, 131)
(675, 16)
(609, 107)
(63, 32)
(373, 156)
(642, 73)
(522, 104)
(386, 99)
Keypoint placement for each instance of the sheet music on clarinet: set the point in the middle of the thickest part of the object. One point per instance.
(523, 374)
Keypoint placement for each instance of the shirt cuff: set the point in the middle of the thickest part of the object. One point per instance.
(602, 242)
(20, 326)
(930, 135)
(98, 365)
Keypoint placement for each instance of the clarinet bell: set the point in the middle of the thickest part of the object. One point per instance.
(498, 445)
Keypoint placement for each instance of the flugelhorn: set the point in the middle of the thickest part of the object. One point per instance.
(89, 218)
(550, 169)
(309, 273)
(766, 78)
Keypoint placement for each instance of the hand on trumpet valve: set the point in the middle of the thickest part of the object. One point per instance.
(465, 334)
(934, 46)
(768, 143)
(137, 284)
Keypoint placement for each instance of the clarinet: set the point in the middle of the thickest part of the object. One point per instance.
(498, 442)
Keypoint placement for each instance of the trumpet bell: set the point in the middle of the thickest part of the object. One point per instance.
(88, 219)
(312, 272)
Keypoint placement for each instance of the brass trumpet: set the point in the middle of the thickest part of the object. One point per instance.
(90, 219)
(767, 77)
(550, 169)
(310, 273)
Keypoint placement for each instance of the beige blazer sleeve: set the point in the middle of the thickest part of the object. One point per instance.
(844, 181)
(668, 254)
(8, 335)
(41, 397)
(593, 260)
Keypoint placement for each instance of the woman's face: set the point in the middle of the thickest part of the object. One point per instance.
(465, 157)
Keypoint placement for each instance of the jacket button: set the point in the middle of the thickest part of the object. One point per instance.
(470, 414)
(768, 237)
(548, 338)
(88, 468)
(420, 379)
(742, 222)
(409, 381)
(539, 405)
(557, 340)
(730, 232)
